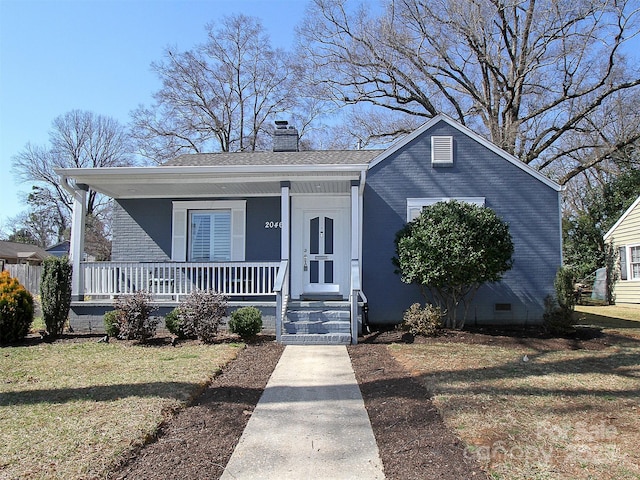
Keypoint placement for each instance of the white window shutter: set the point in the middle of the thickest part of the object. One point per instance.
(441, 150)
(238, 227)
(179, 235)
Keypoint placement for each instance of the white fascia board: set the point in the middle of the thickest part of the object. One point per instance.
(146, 172)
(471, 134)
(621, 219)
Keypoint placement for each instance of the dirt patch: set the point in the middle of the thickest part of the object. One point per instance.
(581, 338)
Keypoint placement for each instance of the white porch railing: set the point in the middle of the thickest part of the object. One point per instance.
(179, 278)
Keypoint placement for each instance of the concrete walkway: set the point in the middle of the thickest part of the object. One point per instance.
(309, 423)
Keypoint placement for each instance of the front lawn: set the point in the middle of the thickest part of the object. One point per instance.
(71, 409)
(528, 410)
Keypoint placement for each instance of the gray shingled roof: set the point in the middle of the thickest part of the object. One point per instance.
(322, 157)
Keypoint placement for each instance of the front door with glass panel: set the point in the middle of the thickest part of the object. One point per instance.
(319, 255)
(320, 240)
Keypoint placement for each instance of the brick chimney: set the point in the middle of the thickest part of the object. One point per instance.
(285, 138)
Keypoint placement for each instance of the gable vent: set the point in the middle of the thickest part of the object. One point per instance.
(441, 150)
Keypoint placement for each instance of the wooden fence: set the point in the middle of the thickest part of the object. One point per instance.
(27, 275)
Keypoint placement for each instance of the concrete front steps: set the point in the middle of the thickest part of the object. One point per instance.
(317, 323)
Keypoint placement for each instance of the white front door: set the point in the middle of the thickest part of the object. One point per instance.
(320, 248)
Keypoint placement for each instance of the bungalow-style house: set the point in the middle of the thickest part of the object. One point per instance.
(625, 235)
(308, 236)
(21, 253)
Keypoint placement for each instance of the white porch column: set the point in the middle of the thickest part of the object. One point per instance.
(76, 248)
(355, 220)
(285, 217)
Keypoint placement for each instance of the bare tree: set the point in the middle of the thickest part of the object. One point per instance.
(220, 95)
(536, 77)
(78, 139)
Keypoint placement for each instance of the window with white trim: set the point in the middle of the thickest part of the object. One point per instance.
(415, 205)
(208, 231)
(630, 262)
(634, 263)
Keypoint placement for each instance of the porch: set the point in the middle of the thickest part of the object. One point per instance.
(207, 224)
(264, 285)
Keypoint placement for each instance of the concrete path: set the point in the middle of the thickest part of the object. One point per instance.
(309, 423)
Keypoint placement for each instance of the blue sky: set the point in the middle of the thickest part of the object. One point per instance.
(95, 55)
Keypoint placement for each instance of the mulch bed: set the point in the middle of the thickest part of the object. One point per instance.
(412, 438)
(199, 440)
(413, 441)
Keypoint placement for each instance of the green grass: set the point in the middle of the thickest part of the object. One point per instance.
(562, 414)
(70, 410)
(609, 316)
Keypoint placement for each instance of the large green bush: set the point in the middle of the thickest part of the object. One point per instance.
(16, 309)
(246, 322)
(55, 293)
(450, 250)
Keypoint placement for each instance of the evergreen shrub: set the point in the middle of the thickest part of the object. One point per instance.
(246, 322)
(16, 309)
(55, 293)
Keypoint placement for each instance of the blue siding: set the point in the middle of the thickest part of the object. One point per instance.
(142, 230)
(263, 244)
(529, 207)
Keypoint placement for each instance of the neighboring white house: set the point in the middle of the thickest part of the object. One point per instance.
(625, 235)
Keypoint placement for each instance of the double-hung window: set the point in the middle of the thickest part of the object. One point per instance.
(630, 262)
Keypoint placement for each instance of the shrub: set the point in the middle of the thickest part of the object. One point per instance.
(111, 325)
(173, 323)
(55, 293)
(246, 322)
(201, 314)
(449, 251)
(16, 309)
(558, 310)
(134, 317)
(422, 321)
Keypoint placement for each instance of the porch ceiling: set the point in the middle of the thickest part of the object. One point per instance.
(195, 181)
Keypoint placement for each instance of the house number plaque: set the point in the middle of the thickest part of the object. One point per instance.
(273, 224)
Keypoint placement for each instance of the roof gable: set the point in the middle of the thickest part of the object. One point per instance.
(471, 134)
(622, 219)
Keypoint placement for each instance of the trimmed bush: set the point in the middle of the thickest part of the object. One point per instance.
(111, 326)
(16, 309)
(55, 293)
(134, 317)
(246, 322)
(201, 314)
(172, 323)
(422, 321)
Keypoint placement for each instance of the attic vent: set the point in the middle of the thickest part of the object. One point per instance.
(503, 307)
(441, 151)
